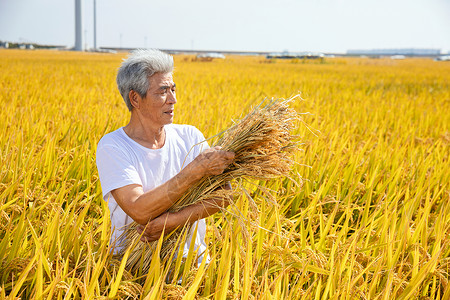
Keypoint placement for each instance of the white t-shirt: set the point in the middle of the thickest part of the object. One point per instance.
(121, 161)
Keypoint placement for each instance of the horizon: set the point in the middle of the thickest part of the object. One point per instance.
(350, 52)
(324, 26)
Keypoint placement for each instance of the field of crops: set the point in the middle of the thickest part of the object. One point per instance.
(365, 215)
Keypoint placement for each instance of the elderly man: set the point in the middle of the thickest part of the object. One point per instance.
(146, 166)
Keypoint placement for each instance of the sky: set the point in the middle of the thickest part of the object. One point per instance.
(330, 26)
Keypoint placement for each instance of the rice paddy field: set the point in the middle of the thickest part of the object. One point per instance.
(365, 213)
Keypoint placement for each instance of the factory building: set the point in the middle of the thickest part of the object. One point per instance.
(400, 51)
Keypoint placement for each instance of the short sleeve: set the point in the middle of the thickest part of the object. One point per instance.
(199, 141)
(115, 169)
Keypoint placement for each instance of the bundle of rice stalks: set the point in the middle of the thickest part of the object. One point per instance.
(263, 145)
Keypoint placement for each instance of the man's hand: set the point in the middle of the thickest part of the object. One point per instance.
(153, 230)
(212, 161)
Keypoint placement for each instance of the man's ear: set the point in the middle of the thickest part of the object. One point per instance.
(135, 99)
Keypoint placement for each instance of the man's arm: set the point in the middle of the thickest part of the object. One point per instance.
(170, 221)
(142, 207)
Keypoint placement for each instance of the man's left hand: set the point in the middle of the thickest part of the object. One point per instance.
(153, 230)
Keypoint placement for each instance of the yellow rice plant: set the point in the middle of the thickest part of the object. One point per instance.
(369, 218)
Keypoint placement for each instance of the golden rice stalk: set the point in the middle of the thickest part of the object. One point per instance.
(263, 145)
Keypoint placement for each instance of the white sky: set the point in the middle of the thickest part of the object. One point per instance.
(241, 25)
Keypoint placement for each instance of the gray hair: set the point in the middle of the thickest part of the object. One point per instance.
(136, 69)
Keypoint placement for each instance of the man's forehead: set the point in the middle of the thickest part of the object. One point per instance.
(161, 79)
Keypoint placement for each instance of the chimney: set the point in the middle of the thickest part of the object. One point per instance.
(78, 27)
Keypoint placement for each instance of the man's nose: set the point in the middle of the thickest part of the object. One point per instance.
(172, 98)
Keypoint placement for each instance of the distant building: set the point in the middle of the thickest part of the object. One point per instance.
(398, 57)
(443, 58)
(4, 45)
(210, 56)
(393, 52)
(298, 55)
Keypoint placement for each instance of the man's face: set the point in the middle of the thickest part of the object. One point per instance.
(158, 105)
